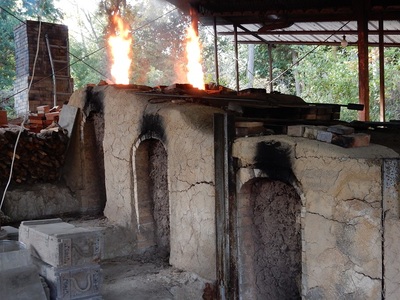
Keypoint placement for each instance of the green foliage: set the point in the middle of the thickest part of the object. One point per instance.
(329, 75)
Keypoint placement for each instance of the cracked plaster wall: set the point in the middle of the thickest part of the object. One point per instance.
(189, 144)
(341, 192)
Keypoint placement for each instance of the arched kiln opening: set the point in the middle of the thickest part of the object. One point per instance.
(152, 197)
(269, 256)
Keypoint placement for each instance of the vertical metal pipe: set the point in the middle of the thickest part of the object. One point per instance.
(53, 75)
(216, 52)
(236, 57)
(271, 78)
(382, 100)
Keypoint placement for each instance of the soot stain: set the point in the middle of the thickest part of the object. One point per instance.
(153, 125)
(94, 102)
(275, 161)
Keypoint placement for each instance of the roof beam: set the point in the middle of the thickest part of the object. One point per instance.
(309, 32)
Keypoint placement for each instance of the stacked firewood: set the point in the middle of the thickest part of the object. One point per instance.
(38, 158)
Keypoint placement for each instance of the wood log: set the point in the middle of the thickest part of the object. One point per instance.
(39, 156)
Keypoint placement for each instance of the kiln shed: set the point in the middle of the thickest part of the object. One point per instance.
(307, 22)
(259, 210)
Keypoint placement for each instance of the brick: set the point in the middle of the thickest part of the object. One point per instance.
(341, 129)
(325, 136)
(3, 117)
(61, 244)
(352, 140)
(52, 115)
(295, 130)
(80, 282)
(43, 108)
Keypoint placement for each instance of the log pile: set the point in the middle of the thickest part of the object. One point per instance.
(39, 156)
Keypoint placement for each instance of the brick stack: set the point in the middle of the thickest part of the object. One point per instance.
(66, 256)
(339, 135)
(41, 92)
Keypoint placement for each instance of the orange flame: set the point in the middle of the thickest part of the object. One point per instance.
(120, 48)
(195, 74)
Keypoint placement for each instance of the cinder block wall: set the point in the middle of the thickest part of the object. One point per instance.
(41, 92)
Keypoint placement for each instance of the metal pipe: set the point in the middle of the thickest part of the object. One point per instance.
(271, 77)
(216, 52)
(236, 57)
(53, 75)
(382, 100)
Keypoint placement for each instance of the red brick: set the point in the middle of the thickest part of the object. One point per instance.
(3, 117)
(352, 140)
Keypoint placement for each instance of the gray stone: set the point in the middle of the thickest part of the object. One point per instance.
(13, 255)
(67, 118)
(324, 136)
(22, 283)
(12, 232)
(341, 129)
(295, 130)
(79, 282)
(61, 244)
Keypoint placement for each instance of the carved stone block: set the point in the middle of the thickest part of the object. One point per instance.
(60, 244)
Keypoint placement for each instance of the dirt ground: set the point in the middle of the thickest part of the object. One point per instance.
(148, 279)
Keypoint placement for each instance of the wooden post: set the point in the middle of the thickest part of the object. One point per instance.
(361, 7)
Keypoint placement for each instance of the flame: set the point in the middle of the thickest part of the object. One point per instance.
(195, 74)
(120, 48)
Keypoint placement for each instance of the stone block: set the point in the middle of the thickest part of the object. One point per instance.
(13, 254)
(325, 136)
(61, 244)
(311, 132)
(341, 129)
(79, 282)
(352, 140)
(295, 130)
(11, 232)
(21, 283)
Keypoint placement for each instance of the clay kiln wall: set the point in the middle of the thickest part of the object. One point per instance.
(186, 131)
(341, 219)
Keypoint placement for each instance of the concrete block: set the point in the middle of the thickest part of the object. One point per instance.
(80, 282)
(61, 244)
(325, 136)
(341, 129)
(295, 130)
(13, 254)
(11, 232)
(22, 283)
(311, 132)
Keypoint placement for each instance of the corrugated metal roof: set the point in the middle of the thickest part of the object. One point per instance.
(312, 21)
(329, 33)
